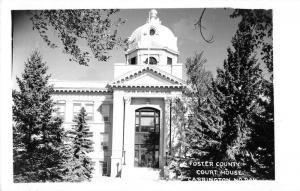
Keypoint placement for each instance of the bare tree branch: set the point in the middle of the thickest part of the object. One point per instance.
(199, 24)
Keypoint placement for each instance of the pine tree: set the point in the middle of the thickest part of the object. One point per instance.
(179, 123)
(201, 135)
(262, 145)
(238, 90)
(79, 165)
(233, 119)
(262, 139)
(37, 135)
(205, 125)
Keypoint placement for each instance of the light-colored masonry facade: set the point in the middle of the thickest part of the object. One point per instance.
(129, 116)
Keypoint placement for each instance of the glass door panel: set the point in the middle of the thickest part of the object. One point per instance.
(147, 138)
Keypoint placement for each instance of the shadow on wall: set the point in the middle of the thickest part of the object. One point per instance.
(119, 171)
(105, 110)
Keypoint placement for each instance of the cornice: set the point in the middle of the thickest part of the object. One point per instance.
(113, 86)
(131, 50)
(81, 90)
(119, 82)
(135, 73)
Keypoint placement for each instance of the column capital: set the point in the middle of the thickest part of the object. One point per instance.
(168, 99)
(127, 100)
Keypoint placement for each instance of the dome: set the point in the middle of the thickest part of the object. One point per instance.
(153, 35)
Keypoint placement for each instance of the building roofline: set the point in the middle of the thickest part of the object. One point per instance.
(81, 90)
(138, 71)
(163, 48)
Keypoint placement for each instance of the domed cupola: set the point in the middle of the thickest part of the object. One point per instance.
(152, 43)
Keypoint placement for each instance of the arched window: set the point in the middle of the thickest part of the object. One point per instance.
(152, 61)
(152, 32)
(147, 120)
(147, 125)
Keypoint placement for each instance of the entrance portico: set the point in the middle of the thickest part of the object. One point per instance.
(143, 132)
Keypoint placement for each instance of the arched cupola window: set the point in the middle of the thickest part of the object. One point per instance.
(152, 31)
(152, 61)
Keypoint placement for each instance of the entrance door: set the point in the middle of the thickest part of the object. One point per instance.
(147, 123)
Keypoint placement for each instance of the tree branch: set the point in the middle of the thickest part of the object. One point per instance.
(199, 24)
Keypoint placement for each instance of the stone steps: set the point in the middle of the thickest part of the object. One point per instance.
(140, 173)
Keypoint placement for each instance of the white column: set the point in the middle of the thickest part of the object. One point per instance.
(166, 129)
(129, 132)
(117, 133)
(69, 111)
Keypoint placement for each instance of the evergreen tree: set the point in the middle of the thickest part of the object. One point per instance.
(251, 137)
(201, 134)
(233, 119)
(179, 124)
(37, 135)
(205, 125)
(238, 90)
(79, 165)
(262, 139)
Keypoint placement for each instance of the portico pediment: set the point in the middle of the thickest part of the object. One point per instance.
(147, 76)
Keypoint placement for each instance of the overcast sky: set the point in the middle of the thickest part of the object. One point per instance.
(180, 21)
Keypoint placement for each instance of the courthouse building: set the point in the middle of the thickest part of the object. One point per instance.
(130, 115)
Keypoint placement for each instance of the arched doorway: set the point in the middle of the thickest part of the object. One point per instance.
(147, 125)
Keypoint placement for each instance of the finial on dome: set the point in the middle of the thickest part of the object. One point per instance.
(153, 16)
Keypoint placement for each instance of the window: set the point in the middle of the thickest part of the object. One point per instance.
(152, 61)
(147, 120)
(152, 32)
(133, 61)
(105, 110)
(104, 141)
(169, 61)
(104, 166)
(147, 124)
(61, 108)
(88, 106)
